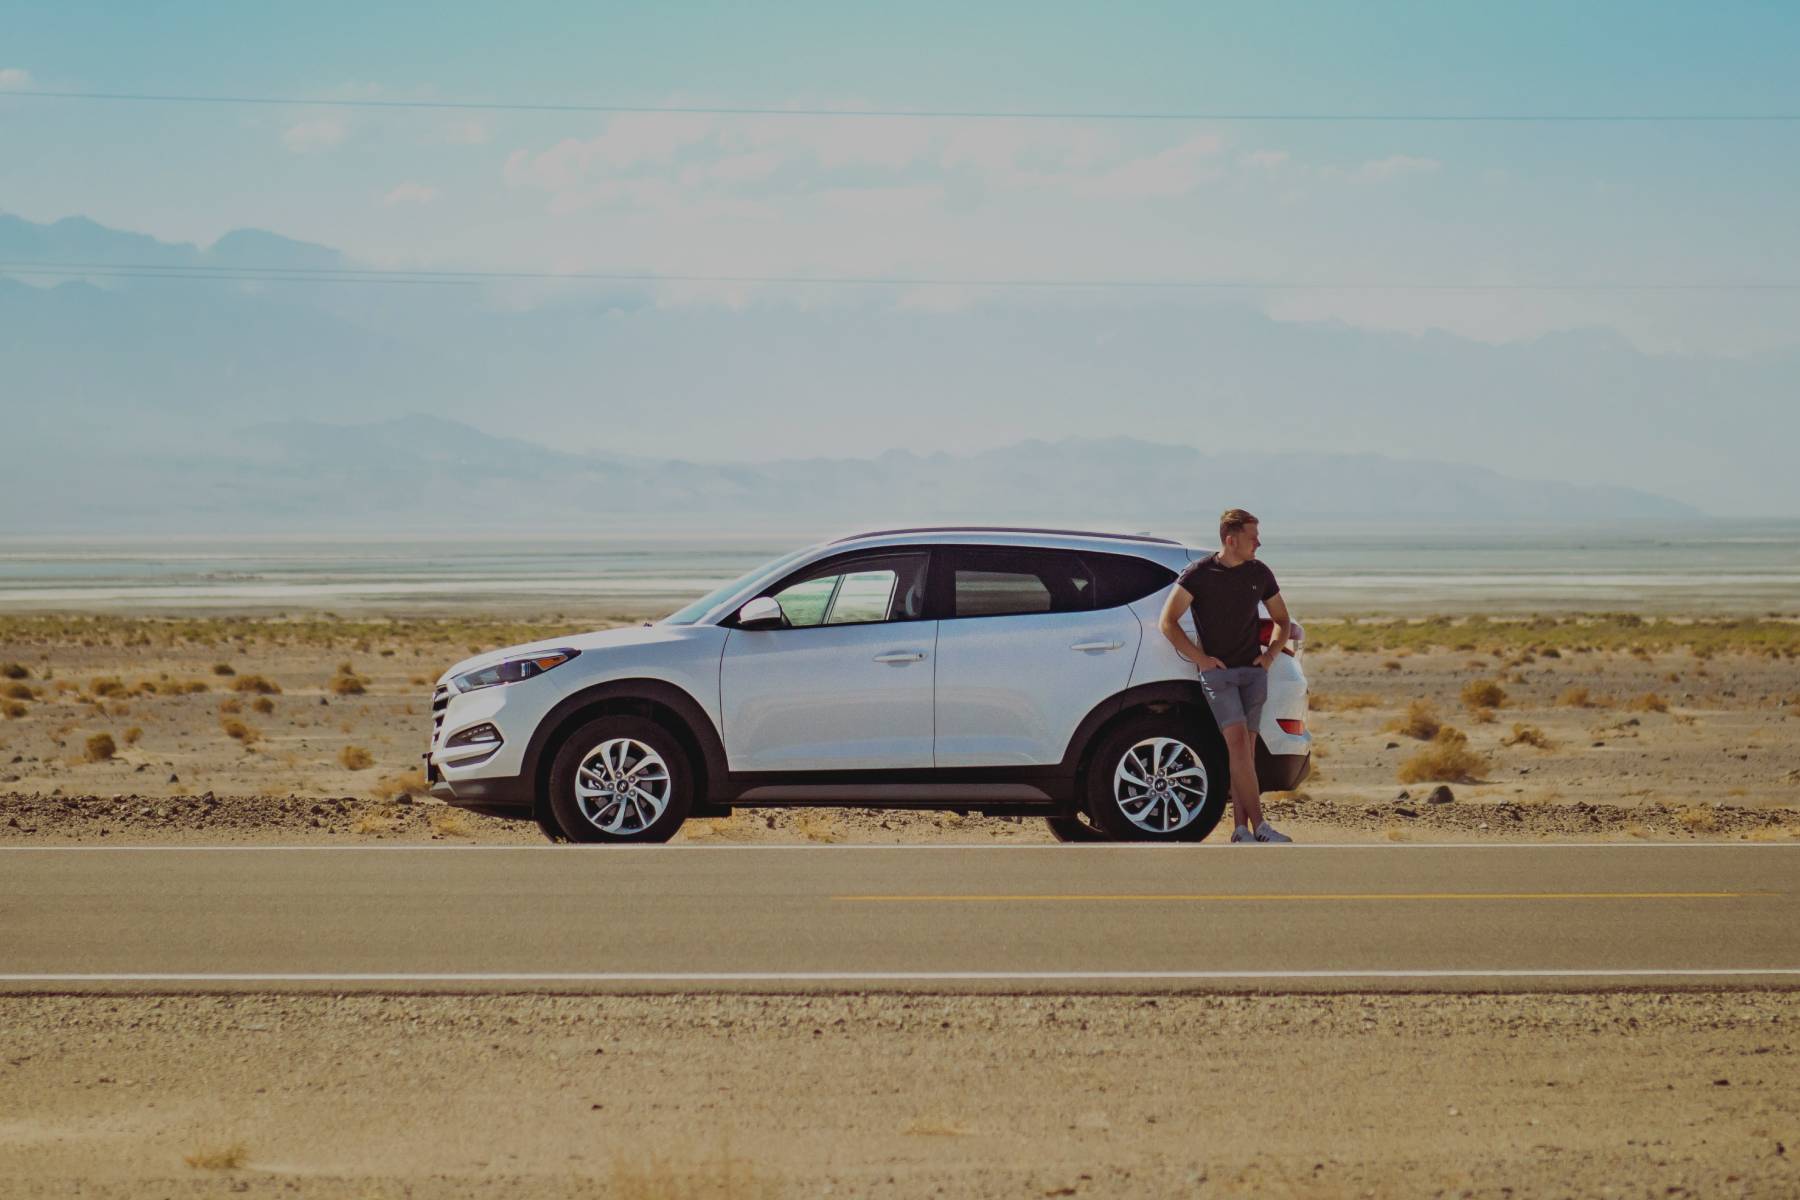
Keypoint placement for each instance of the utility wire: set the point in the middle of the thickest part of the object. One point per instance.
(917, 113)
(274, 274)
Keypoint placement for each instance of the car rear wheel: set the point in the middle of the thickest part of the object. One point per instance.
(621, 779)
(1158, 778)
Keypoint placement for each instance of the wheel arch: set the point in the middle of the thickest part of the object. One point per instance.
(669, 705)
(1158, 697)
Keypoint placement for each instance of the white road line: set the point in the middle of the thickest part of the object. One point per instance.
(893, 976)
(1057, 847)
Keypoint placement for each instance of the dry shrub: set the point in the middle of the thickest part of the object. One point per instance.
(935, 1127)
(133, 734)
(12, 709)
(355, 758)
(389, 786)
(186, 687)
(1636, 831)
(1483, 693)
(451, 823)
(237, 731)
(18, 691)
(1482, 716)
(229, 705)
(1649, 702)
(347, 685)
(1391, 664)
(378, 822)
(1580, 697)
(1420, 720)
(1697, 819)
(218, 1158)
(13, 670)
(263, 705)
(1527, 735)
(817, 827)
(1394, 833)
(106, 685)
(101, 747)
(1447, 760)
(1320, 702)
(224, 669)
(259, 684)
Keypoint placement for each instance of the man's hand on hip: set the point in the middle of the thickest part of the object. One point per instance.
(1266, 659)
(1209, 663)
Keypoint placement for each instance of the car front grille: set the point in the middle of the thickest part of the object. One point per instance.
(440, 700)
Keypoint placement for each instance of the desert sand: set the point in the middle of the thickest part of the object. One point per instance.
(1637, 741)
(295, 731)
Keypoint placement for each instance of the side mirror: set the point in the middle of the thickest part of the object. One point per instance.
(764, 612)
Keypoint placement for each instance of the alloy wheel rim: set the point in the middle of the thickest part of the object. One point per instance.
(622, 786)
(1160, 785)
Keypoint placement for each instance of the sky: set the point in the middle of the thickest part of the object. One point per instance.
(1344, 204)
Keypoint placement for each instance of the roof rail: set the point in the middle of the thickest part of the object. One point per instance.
(1087, 533)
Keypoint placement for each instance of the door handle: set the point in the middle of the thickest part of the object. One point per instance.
(1096, 645)
(900, 656)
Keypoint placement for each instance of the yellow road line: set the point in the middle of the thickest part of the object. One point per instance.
(1152, 897)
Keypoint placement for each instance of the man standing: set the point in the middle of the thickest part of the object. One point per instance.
(1222, 590)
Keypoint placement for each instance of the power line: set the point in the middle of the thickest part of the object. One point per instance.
(916, 113)
(378, 275)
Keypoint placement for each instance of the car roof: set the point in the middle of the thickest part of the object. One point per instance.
(1144, 545)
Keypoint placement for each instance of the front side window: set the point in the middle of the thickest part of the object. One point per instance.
(998, 583)
(859, 592)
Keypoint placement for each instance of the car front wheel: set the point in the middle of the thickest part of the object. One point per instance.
(1157, 778)
(621, 779)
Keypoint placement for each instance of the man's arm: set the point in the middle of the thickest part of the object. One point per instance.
(1181, 600)
(1279, 614)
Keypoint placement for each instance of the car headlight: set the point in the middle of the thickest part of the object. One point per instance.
(513, 670)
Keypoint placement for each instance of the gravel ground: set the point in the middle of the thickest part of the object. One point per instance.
(1625, 1094)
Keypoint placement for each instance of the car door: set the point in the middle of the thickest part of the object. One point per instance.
(846, 684)
(1024, 653)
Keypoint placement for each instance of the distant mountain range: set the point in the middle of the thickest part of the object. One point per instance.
(427, 473)
(201, 405)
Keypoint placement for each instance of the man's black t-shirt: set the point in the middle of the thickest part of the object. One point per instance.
(1225, 600)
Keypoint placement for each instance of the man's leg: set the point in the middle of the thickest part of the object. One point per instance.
(1246, 801)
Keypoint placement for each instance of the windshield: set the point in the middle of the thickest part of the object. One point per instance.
(706, 603)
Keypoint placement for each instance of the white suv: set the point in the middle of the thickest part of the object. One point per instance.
(1001, 671)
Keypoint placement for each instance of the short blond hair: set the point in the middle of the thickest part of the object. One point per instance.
(1233, 520)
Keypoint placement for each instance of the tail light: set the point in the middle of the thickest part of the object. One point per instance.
(1265, 633)
(1296, 728)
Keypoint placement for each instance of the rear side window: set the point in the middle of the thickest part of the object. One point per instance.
(999, 583)
(1122, 578)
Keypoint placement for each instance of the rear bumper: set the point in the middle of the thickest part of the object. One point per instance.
(1280, 772)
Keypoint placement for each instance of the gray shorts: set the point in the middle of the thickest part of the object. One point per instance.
(1236, 695)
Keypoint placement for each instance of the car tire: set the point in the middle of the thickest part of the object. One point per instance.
(1074, 829)
(1195, 779)
(621, 779)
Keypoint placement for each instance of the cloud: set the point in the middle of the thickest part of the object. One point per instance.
(1396, 165)
(1267, 159)
(12, 78)
(466, 133)
(410, 193)
(314, 134)
(1173, 172)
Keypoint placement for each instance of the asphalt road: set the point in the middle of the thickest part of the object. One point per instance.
(1476, 918)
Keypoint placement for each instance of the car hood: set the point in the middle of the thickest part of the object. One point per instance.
(603, 639)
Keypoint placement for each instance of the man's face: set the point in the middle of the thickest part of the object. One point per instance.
(1244, 542)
